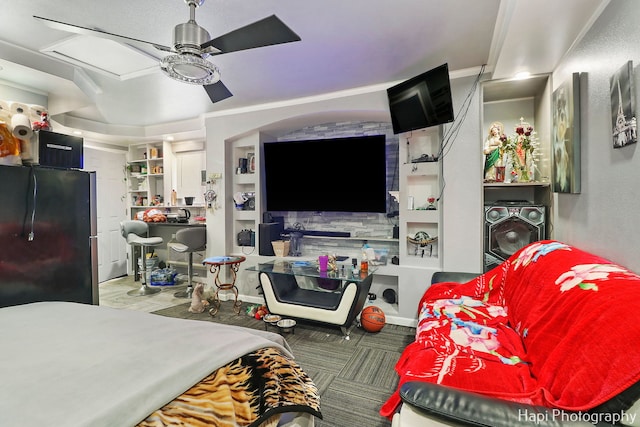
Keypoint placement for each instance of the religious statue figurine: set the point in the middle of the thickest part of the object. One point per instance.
(493, 151)
(520, 153)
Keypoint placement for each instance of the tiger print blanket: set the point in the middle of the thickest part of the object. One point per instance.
(252, 391)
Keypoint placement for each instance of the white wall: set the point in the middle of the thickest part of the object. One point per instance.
(603, 219)
(220, 129)
(462, 246)
(15, 94)
(463, 211)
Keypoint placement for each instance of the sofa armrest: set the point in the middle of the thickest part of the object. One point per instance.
(450, 404)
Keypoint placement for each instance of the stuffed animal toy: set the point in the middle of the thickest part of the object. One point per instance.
(9, 147)
(198, 302)
(43, 124)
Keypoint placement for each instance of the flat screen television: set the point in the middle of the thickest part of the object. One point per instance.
(326, 175)
(58, 150)
(422, 101)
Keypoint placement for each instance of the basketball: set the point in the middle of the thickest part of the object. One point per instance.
(372, 319)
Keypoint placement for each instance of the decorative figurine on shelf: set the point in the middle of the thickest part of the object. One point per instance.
(432, 203)
(520, 153)
(493, 151)
(43, 124)
(422, 242)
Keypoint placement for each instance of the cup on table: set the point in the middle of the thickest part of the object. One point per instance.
(323, 261)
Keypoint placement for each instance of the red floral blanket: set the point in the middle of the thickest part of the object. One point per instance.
(552, 326)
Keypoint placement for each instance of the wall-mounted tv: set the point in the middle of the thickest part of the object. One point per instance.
(422, 101)
(326, 175)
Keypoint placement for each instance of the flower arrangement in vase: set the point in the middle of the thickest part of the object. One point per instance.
(520, 152)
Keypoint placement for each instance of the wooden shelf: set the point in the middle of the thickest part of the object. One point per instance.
(515, 184)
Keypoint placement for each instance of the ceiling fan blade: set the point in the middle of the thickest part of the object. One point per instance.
(266, 32)
(217, 91)
(98, 33)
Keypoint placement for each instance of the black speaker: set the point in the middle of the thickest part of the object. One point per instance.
(268, 233)
(510, 226)
(279, 220)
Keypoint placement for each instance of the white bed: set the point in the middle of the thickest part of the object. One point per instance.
(80, 365)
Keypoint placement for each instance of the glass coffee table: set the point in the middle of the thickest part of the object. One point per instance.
(298, 289)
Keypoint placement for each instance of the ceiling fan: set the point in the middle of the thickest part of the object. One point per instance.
(192, 44)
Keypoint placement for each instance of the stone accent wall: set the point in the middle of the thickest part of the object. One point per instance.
(360, 225)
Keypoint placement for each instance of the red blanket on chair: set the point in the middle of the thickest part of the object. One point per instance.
(552, 326)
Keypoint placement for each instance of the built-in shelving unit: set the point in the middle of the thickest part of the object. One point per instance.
(145, 176)
(419, 180)
(507, 101)
(244, 179)
(419, 183)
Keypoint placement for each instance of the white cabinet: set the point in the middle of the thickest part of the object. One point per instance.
(189, 179)
(155, 169)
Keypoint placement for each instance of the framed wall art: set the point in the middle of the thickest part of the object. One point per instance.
(623, 107)
(565, 153)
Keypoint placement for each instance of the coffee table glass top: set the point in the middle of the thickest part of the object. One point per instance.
(309, 269)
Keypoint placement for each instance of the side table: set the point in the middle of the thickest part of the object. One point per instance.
(215, 264)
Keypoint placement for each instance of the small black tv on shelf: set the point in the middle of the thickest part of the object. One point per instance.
(422, 101)
(326, 175)
(57, 150)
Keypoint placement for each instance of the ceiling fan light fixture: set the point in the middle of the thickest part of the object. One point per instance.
(190, 69)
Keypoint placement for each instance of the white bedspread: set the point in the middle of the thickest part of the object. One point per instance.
(68, 364)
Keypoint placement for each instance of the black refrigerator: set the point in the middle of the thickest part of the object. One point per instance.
(48, 234)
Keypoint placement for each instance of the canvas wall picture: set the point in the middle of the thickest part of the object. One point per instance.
(623, 109)
(566, 136)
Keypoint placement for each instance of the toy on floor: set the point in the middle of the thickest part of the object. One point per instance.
(198, 302)
(372, 319)
(257, 311)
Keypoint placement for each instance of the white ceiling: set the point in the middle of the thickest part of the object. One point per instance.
(345, 45)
